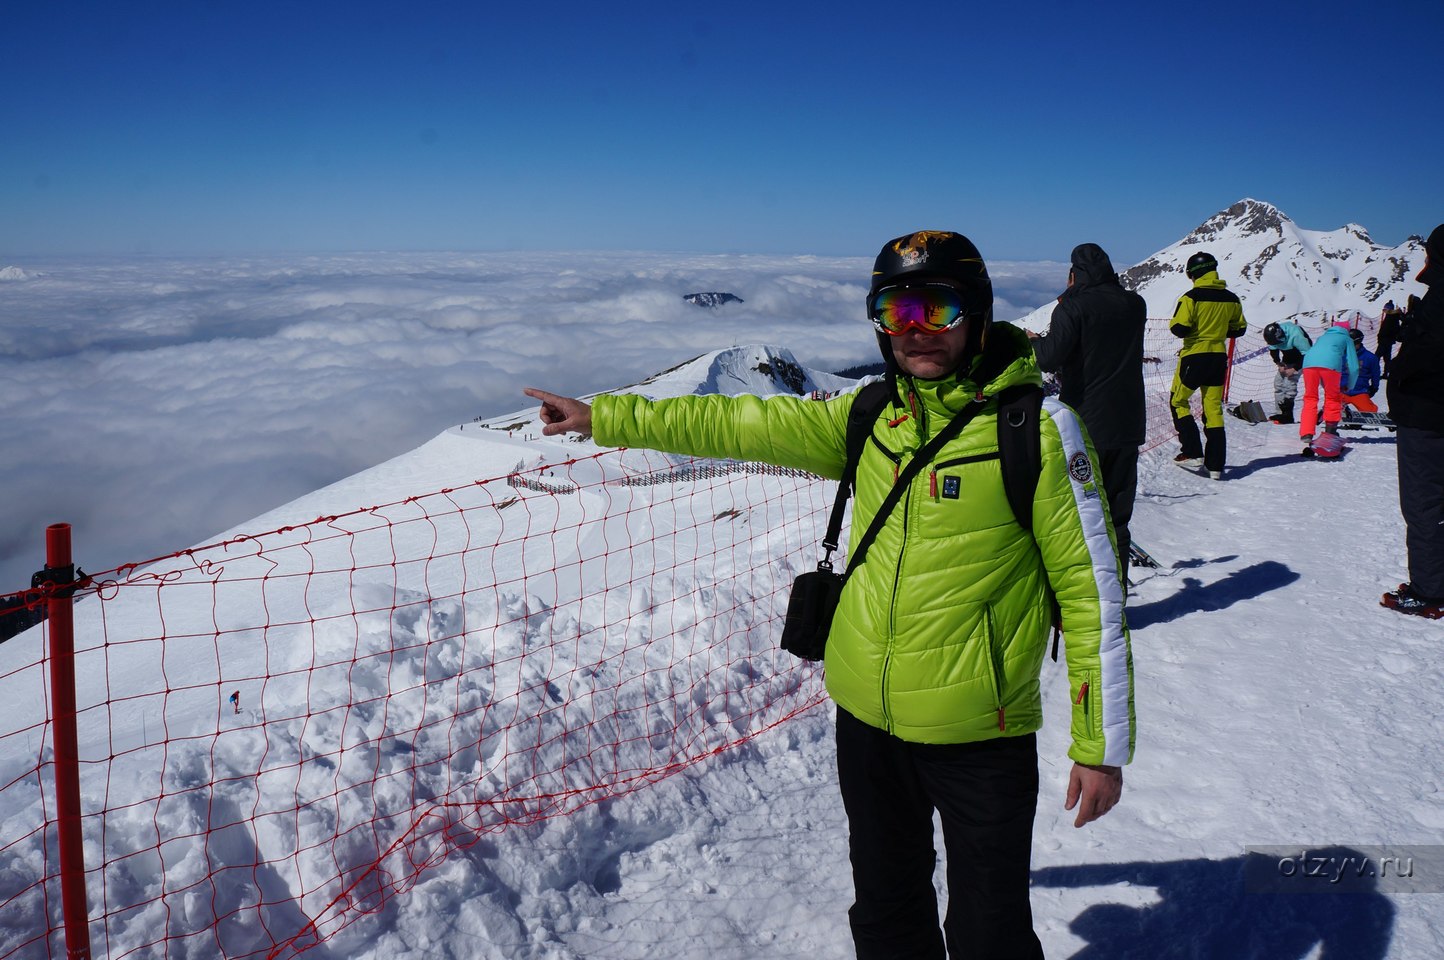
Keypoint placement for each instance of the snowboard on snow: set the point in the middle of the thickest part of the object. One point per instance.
(1358, 420)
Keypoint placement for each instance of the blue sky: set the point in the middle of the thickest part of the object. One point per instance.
(739, 127)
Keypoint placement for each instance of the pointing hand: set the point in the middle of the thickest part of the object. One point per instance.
(562, 414)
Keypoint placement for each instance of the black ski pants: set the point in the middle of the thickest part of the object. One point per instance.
(1119, 468)
(1421, 501)
(986, 794)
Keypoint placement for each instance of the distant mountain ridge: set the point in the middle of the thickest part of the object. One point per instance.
(1279, 270)
(756, 369)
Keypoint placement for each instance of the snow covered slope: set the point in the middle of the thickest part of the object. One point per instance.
(1277, 703)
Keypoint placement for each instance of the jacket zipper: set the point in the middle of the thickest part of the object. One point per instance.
(1090, 711)
(917, 419)
(955, 462)
(970, 458)
(989, 655)
(892, 613)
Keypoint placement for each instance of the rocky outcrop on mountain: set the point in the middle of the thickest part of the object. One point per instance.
(1245, 218)
(711, 299)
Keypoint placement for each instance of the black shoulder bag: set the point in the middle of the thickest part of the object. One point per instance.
(814, 595)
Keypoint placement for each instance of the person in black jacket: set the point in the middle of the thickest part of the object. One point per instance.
(1095, 345)
(1416, 404)
(1388, 336)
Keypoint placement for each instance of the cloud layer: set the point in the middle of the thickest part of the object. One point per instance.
(155, 403)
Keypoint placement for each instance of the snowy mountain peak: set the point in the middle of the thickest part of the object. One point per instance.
(1355, 230)
(1279, 269)
(1247, 218)
(755, 368)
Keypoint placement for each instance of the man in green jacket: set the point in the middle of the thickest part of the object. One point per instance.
(1204, 318)
(938, 641)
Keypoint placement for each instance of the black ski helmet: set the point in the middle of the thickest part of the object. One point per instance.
(1199, 264)
(1357, 336)
(937, 255)
(1274, 335)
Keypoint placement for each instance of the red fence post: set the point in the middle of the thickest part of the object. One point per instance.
(60, 614)
(1228, 370)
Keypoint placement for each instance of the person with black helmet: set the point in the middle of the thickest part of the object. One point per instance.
(934, 653)
(1288, 342)
(1416, 405)
(1362, 396)
(1204, 318)
(1095, 345)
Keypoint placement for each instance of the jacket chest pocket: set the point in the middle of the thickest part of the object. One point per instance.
(961, 495)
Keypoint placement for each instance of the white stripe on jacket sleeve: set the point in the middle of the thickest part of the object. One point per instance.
(1113, 670)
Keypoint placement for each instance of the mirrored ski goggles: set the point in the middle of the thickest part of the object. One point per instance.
(929, 307)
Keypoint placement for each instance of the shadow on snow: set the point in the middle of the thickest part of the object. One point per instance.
(1227, 910)
(1195, 597)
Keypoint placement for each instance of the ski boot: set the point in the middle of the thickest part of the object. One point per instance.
(1405, 600)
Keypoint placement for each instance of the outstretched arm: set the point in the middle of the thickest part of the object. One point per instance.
(562, 414)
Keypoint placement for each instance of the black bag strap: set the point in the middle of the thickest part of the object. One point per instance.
(866, 405)
(1020, 447)
(904, 479)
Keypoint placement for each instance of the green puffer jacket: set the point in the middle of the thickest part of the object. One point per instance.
(1206, 316)
(940, 635)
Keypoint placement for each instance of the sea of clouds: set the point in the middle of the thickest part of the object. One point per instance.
(154, 403)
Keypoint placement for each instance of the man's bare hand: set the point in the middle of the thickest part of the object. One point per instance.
(562, 414)
(1098, 787)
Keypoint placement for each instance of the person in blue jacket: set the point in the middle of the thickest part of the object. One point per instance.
(1287, 345)
(1331, 363)
(1362, 396)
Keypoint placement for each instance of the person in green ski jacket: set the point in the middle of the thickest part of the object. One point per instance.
(936, 648)
(1205, 317)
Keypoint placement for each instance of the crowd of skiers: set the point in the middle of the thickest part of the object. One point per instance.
(1337, 363)
(1349, 375)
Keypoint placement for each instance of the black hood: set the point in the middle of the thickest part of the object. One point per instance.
(1091, 266)
(1433, 271)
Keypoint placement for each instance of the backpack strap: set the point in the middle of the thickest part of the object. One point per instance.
(865, 407)
(867, 403)
(1020, 448)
